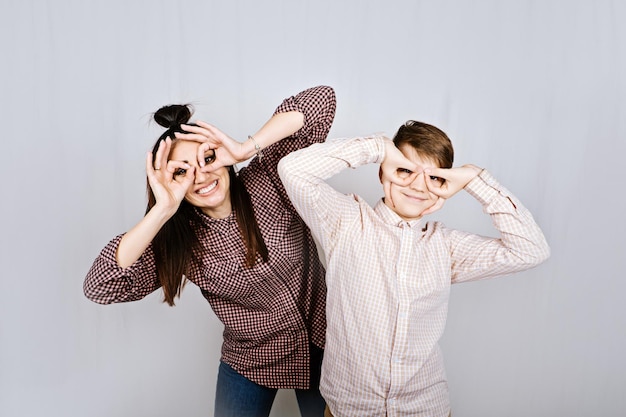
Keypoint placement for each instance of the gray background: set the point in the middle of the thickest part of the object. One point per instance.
(533, 90)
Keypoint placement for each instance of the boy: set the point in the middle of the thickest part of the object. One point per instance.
(389, 272)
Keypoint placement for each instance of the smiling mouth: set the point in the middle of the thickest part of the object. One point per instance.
(207, 189)
(415, 198)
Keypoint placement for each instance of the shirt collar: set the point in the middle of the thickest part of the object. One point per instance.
(391, 218)
(219, 225)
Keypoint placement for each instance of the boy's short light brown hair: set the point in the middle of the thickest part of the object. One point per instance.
(427, 140)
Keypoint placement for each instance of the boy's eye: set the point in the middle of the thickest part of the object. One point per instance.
(180, 171)
(403, 172)
(210, 157)
(437, 180)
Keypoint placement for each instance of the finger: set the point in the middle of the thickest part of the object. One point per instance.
(189, 177)
(202, 128)
(222, 158)
(160, 159)
(438, 172)
(205, 125)
(173, 166)
(402, 180)
(212, 132)
(201, 151)
(149, 166)
(428, 181)
(154, 175)
(196, 137)
(448, 174)
(438, 189)
(213, 166)
(396, 179)
(188, 128)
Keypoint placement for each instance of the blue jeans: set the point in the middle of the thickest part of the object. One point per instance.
(237, 396)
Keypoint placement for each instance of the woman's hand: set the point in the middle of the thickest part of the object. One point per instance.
(227, 150)
(168, 189)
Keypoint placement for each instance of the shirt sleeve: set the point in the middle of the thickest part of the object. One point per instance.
(318, 106)
(304, 172)
(521, 245)
(106, 282)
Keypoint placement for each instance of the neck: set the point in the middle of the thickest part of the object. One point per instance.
(220, 212)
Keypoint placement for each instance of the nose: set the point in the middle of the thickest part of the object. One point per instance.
(419, 183)
(200, 176)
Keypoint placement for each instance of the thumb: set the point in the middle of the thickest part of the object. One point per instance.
(435, 181)
(437, 172)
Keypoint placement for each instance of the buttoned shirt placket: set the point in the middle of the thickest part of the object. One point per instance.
(400, 342)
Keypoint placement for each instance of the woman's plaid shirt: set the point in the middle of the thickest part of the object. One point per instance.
(273, 311)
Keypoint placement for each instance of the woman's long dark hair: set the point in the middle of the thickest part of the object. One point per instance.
(175, 244)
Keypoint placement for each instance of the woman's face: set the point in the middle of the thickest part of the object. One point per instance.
(211, 190)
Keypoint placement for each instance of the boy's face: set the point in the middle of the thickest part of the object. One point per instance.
(410, 201)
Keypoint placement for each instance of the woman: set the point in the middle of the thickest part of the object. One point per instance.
(237, 237)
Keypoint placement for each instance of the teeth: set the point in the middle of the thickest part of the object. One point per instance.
(207, 188)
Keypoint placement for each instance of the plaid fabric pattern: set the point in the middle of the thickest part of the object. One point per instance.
(389, 281)
(273, 311)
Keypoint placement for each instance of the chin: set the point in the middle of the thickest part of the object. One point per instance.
(409, 216)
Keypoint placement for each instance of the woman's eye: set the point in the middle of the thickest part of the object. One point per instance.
(180, 171)
(209, 158)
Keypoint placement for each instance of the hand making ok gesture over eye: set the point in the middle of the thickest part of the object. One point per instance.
(446, 182)
(168, 191)
(227, 150)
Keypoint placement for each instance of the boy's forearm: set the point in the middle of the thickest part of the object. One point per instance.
(519, 230)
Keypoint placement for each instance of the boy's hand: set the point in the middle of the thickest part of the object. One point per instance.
(446, 182)
(395, 169)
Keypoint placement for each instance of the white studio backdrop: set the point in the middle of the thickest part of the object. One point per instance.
(532, 90)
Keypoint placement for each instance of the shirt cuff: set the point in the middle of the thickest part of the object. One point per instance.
(376, 146)
(108, 257)
(359, 150)
(485, 188)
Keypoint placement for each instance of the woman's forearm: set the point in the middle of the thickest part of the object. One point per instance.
(279, 126)
(136, 240)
